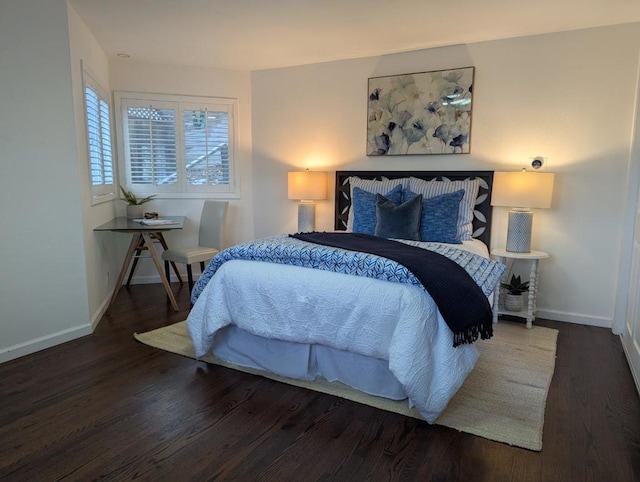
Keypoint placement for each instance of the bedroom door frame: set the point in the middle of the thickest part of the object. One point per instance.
(626, 321)
(631, 332)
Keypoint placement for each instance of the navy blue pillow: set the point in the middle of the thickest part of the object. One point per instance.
(398, 221)
(439, 217)
(363, 204)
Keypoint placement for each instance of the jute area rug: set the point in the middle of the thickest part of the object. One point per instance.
(503, 399)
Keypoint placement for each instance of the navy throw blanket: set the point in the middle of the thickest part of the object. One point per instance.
(463, 305)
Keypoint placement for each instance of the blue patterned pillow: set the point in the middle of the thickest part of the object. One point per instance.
(439, 220)
(363, 204)
(398, 221)
(433, 188)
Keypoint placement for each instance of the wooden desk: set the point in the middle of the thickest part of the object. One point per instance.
(143, 239)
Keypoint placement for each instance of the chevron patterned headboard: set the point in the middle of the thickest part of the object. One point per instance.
(482, 213)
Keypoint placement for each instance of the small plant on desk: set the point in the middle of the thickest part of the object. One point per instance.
(134, 203)
(133, 200)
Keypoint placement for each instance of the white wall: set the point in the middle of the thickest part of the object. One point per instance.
(568, 97)
(132, 76)
(102, 256)
(43, 294)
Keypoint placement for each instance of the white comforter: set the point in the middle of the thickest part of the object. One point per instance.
(390, 321)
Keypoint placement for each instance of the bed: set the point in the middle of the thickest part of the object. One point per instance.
(304, 310)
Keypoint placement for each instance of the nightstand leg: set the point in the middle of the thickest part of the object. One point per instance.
(533, 294)
(496, 294)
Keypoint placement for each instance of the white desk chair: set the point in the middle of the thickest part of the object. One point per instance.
(210, 240)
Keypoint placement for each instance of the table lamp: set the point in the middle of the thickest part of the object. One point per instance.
(307, 186)
(521, 191)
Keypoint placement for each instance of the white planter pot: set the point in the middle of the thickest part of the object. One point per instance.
(513, 302)
(135, 211)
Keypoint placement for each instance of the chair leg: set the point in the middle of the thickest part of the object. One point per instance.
(202, 266)
(190, 277)
(167, 273)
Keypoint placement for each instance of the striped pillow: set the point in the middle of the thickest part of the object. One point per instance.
(374, 187)
(433, 188)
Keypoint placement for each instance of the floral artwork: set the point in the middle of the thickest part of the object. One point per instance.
(421, 113)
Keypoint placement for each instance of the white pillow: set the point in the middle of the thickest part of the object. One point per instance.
(374, 187)
(433, 188)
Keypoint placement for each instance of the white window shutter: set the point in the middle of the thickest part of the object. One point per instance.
(206, 146)
(151, 133)
(179, 146)
(105, 135)
(100, 153)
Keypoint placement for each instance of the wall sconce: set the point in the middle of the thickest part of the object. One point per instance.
(307, 186)
(521, 191)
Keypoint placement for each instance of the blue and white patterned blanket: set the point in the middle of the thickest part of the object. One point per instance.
(286, 250)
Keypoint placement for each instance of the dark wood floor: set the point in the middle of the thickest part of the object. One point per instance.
(107, 407)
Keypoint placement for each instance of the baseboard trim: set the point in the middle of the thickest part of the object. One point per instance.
(575, 318)
(99, 313)
(44, 342)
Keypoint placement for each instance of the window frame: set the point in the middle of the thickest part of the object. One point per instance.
(106, 191)
(181, 189)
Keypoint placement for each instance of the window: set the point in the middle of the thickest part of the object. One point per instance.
(176, 146)
(98, 121)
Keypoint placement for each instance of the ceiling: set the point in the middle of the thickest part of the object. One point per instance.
(263, 34)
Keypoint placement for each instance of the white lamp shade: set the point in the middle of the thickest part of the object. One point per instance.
(522, 189)
(307, 185)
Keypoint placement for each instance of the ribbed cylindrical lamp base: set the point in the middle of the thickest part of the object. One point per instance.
(306, 217)
(519, 231)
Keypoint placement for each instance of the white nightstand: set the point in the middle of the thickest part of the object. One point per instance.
(502, 255)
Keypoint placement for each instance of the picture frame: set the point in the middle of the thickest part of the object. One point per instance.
(422, 113)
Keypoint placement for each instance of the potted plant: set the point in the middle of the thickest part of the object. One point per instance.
(134, 203)
(514, 300)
